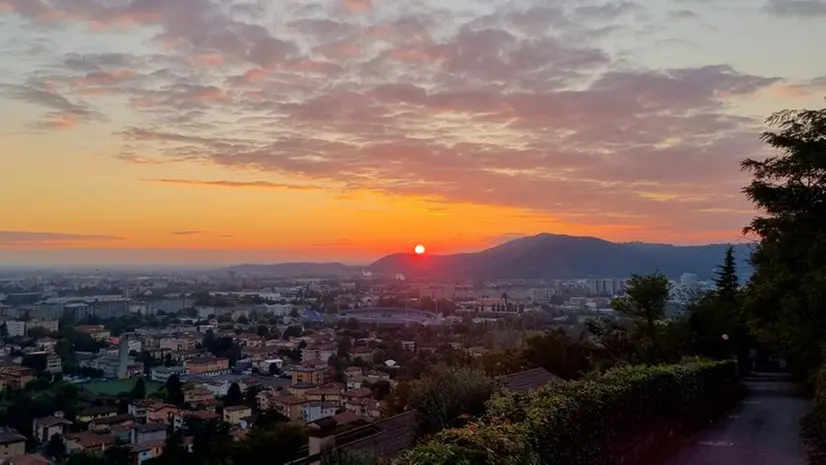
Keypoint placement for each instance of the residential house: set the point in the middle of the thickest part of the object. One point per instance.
(530, 379)
(15, 377)
(12, 443)
(312, 375)
(137, 408)
(234, 414)
(384, 439)
(207, 366)
(321, 352)
(324, 394)
(194, 394)
(106, 424)
(160, 413)
(87, 441)
(44, 428)
(301, 389)
(94, 413)
(362, 352)
(313, 411)
(355, 395)
(27, 459)
(185, 418)
(367, 408)
(148, 433)
(289, 406)
(96, 332)
(145, 451)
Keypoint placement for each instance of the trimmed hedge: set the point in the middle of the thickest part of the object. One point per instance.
(584, 422)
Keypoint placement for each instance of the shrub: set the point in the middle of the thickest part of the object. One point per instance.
(584, 422)
(813, 425)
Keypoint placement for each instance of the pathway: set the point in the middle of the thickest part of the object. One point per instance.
(763, 430)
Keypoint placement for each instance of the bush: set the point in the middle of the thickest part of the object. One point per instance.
(585, 422)
(813, 425)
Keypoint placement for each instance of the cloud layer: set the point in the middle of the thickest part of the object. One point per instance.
(520, 103)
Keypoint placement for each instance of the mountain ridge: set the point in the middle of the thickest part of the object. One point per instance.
(541, 256)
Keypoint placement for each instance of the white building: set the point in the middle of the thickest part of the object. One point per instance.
(49, 325)
(688, 280)
(313, 411)
(54, 364)
(15, 328)
(162, 374)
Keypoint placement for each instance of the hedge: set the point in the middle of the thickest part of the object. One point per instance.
(813, 425)
(584, 422)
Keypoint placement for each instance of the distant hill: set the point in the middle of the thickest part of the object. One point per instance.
(295, 269)
(553, 256)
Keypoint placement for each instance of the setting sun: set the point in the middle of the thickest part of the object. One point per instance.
(419, 249)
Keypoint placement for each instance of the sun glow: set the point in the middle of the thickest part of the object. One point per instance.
(419, 249)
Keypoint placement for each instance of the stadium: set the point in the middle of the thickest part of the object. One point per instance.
(397, 316)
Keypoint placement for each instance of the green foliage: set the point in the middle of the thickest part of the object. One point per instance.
(174, 390)
(139, 391)
(234, 396)
(443, 395)
(787, 292)
(644, 302)
(584, 422)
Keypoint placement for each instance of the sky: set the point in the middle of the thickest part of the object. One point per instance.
(226, 131)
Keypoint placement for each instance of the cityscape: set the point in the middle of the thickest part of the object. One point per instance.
(412, 232)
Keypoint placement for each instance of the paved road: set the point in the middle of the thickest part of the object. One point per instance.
(762, 430)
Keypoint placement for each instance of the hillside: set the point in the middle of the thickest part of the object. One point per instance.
(553, 256)
(294, 269)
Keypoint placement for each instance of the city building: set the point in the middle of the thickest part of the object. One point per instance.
(48, 325)
(162, 374)
(309, 375)
(15, 328)
(12, 443)
(234, 414)
(312, 411)
(44, 428)
(146, 433)
(54, 364)
(207, 366)
(689, 281)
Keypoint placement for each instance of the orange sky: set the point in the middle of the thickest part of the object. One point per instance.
(345, 130)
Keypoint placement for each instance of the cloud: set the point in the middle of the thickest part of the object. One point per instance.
(62, 113)
(233, 184)
(797, 8)
(30, 238)
(523, 104)
(186, 233)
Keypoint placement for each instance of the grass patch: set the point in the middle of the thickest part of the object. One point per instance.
(116, 386)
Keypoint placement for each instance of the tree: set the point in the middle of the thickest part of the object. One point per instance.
(139, 390)
(277, 445)
(234, 396)
(174, 390)
(242, 319)
(55, 448)
(343, 348)
(726, 282)
(292, 331)
(644, 302)
(263, 331)
(274, 370)
(787, 292)
(441, 397)
(381, 389)
(36, 362)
